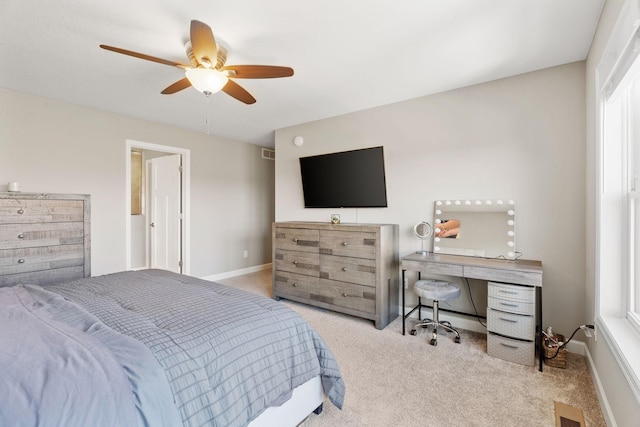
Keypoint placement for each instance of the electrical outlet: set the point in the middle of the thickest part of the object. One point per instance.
(246, 253)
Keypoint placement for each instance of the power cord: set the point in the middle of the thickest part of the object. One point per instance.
(473, 303)
(585, 328)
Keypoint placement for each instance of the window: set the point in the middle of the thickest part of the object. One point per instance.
(620, 198)
(618, 194)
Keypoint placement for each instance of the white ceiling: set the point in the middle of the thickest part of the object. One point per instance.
(348, 55)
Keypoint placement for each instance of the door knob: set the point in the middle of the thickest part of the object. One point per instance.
(153, 224)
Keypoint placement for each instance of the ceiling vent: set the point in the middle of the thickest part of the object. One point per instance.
(268, 154)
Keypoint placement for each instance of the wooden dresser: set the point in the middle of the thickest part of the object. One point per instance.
(44, 238)
(349, 268)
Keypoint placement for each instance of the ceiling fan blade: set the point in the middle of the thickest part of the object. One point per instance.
(143, 56)
(238, 92)
(258, 71)
(177, 86)
(203, 44)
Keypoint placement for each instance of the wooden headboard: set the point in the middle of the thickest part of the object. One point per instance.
(44, 238)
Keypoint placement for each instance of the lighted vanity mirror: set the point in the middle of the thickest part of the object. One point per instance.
(482, 228)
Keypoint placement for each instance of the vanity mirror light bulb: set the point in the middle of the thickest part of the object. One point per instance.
(510, 244)
(458, 202)
(467, 202)
(488, 202)
(510, 222)
(438, 220)
(436, 249)
(511, 212)
(511, 202)
(438, 212)
(510, 233)
(448, 202)
(478, 202)
(510, 254)
(438, 202)
(436, 239)
(500, 202)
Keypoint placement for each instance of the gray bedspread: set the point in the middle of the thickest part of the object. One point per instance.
(60, 366)
(227, 354)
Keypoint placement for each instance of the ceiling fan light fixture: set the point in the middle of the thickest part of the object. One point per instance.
(206, 80)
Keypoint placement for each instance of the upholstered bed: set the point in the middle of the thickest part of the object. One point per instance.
(154, 348)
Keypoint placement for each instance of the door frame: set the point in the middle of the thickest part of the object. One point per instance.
(186, 197)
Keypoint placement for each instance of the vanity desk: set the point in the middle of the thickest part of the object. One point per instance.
(514, 308)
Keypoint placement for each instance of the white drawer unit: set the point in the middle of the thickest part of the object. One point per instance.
(350, 268)
(511, 322)
(517, 351)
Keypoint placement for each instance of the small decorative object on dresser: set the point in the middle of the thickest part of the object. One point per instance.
(335, 219)
(44, 238)
(352, 269)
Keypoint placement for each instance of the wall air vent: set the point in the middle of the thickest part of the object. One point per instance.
(268, 153)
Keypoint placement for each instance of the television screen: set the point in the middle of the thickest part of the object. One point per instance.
(349, 179)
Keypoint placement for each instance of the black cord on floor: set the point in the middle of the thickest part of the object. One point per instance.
(560, 347)
(473, 303)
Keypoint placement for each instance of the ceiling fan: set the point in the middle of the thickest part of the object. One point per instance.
(207, 71)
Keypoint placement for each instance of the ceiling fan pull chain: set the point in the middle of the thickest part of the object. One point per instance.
(206, 119)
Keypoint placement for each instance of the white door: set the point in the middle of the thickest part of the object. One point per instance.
(165, 216)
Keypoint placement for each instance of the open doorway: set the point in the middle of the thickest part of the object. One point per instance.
(157, 214)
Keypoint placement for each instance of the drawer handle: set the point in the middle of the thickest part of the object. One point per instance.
(345, 294)
(295, 240)
(344, 243)
(509, 292)
(21, 261)
(509, 345)
(295, 285)
(295, 262)
(344, 268)
(509, 305)
(20, 236)
(508, 320)
(20, 211)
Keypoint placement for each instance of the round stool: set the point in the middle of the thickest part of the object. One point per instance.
(436, 290)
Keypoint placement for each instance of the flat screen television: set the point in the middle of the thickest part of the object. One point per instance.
(348, 179)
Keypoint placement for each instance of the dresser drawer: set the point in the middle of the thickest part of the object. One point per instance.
(346, 295)
(13, 236)
(292, 285)
(353, 270)
(522, 352)
(348, 243)
(512, 292)
(512, 325)
(297, 262)
(511, 306)
(23, 211)
(14, 261)
(297, 239)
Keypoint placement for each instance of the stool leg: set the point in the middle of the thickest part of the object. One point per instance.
(436, 320)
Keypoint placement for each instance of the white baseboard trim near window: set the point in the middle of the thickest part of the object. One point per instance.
(234, 273)
(607, 413)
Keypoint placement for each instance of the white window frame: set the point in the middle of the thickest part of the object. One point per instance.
(615, 321)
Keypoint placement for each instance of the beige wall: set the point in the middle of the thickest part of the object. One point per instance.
(621, 404)
(53, 147)
(520, 138)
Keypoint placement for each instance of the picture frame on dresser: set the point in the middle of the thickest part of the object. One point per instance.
(44, 237)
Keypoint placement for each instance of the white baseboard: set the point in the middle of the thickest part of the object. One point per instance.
(234, 273)
(602, 396)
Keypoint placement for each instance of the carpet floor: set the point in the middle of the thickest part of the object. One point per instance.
(396, 380)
